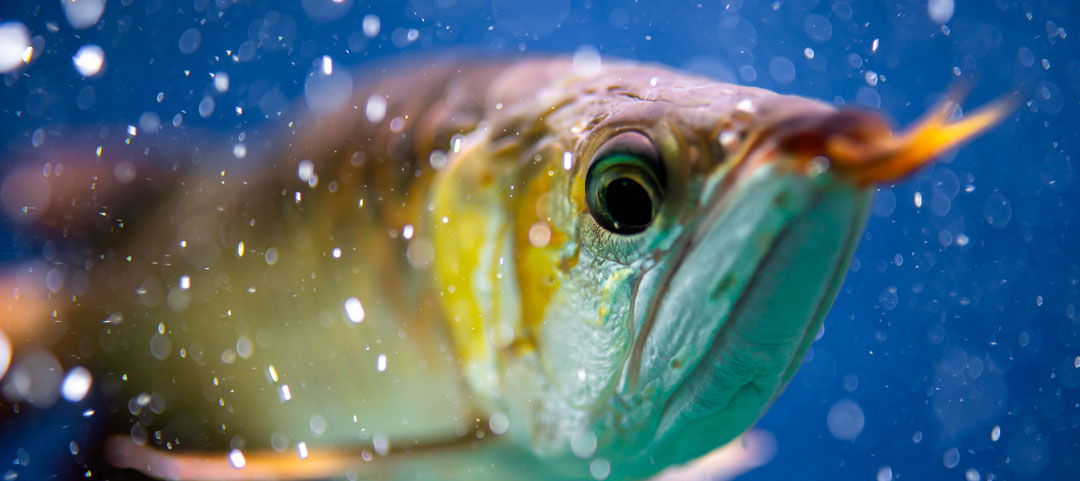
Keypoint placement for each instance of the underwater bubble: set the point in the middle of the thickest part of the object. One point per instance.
(150, 122)
(583, 444)
(375, 110)
(206, 107)
(885, 474)
(83, 13)
(190, 41)
(940, 11)
(35, 378)
(845, 420)
(5, 353)
(317, 425)
(951, 458)
(271, 256)
(997, 210)
(327, 91)
(88, 60)
(284, 393)
(14, 42)
(305, 170)
(354, 310)
(420, 253)
(586, 60)
(236, 459)
(160, 346)
(972, 474)
(371, 25)
(221, 82)
(782, 70)
(817, 28)
(869, 97)
(1025, 56)
(995, 433)
(301, 450)
(380, 363)
(381, 444)
(539, 234)
(600, 469)
(326, 10)
(499, 423)
(76, 384)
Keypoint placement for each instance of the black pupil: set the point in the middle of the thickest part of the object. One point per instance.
(628, 203)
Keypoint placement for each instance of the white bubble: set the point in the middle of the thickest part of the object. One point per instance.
(845, 420)
(499, 423)
(782, 70)
(239, 150)
(885, 474)
(972, 474)
(150, 122)
(951, 458)
(586, 60)
(354, 310)
(221, 82)
(995, 433)
(371, 25)
(380, 363)
(583, 444)
(190, 41)
(376, 108)
(236, 459)
(14, 42)
(206, 107)
(327, 91)
(818, 28)
(600, 469)
(160, 346)
(940, 10)
(285, 393)
(76, 384)
(271, 256)
(305, 170)
(5, 353)
(35, 378)
(301, 450)
(88, 60)
(83, 13)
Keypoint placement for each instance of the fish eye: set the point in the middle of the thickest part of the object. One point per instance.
(625, 184)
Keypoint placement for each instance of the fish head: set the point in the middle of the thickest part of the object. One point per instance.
(634, 262)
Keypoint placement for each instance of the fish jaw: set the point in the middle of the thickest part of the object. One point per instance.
(741, 302)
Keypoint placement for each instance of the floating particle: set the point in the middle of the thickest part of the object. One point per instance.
(375, 110)
(845, 420)
(354, 310)
(995, 433)
(940, 11)
(567, 160)
(5, 353)
(221, 82)
(371, 25)
(499, 423)
(586, 60)
(88, 60)
(380, 363)
(76, 384)
(190, 41)
(83, 13)
(301, 450)
(884, 473)
(236, 459)
(600, 469)
(285, 393)
(951, 458)
(14, 43)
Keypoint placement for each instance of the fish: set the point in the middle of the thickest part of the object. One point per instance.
(537, 268)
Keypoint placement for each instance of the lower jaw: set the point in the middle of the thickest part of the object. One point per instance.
(764, 338)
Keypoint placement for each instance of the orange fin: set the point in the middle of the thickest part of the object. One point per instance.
(885, 159)
(236, 465)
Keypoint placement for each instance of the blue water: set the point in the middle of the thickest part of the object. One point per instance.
(956, 336)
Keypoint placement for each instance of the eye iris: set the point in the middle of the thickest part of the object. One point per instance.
(628, 204)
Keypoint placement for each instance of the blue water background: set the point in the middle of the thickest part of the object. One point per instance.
(958, 316)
